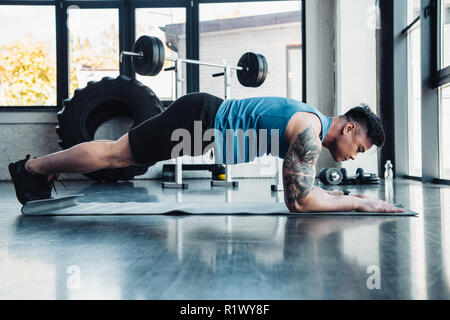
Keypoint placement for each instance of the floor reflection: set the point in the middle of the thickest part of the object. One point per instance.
(230, 257)
(417, 245)
(156, 258)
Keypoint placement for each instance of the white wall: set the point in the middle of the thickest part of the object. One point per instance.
(356, 66)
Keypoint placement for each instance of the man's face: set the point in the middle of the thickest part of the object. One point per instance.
(351, 141)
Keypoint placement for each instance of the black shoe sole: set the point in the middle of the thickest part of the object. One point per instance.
(11, 168)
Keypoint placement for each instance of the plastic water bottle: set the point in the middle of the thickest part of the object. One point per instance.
(389, 181)
(388, 173)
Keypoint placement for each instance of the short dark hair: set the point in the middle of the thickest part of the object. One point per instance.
(369, 121)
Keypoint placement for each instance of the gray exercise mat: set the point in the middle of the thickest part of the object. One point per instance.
(69, 206)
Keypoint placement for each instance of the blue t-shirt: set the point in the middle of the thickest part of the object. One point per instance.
(256, 126)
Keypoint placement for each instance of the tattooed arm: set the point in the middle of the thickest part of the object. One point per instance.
(298, 177)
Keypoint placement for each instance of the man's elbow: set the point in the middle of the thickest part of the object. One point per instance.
(291, 207)
(299, 206)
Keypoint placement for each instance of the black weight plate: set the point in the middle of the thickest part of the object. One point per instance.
(162, 56)
(360, 174)
(344, 173)
(260, 70)
(360, 171)
(266, 70)
(156, 63)
(247, 77)
(142, 65)
(250, 77)
(263, 70)
(147, 64)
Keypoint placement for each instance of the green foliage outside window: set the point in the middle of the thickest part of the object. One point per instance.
(27, 73)
(28, 66)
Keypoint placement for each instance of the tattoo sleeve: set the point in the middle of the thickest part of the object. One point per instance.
(299, 166)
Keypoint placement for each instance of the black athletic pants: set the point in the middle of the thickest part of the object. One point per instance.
(150, 141)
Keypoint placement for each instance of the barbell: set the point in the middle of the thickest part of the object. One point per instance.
(148, 57)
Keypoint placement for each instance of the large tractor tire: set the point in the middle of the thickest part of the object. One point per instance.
(98, 102)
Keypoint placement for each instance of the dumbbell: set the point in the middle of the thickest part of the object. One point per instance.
(366, 178)
(330, 176)
(148, 57)
(346, 179)
(359, 178)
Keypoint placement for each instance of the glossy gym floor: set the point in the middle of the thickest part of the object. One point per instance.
(226, 257)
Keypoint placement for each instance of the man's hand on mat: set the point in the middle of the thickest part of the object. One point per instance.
(367, 203)
(376, 205)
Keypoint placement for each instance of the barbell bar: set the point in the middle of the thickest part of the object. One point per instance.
(148, 58)
(141, 54)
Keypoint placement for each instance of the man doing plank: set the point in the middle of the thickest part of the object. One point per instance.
(294, 131)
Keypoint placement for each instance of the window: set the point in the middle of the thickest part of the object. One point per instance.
(169, 25)
(93, 45)
(414, 92)
(228, 30)
(32, 34)
(445, 33)
(28, 56)
(444, 134)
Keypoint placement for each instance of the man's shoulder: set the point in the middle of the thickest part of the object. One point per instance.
(302, 121)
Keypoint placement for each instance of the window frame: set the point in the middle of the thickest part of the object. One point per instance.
(127, 21)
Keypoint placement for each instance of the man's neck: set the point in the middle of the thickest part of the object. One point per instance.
(332, 132)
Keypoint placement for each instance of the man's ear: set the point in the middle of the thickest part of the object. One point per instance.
(349, 127)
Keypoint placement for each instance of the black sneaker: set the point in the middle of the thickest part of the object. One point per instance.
(30, 186)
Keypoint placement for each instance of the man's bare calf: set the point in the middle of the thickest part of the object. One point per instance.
(84, 158)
